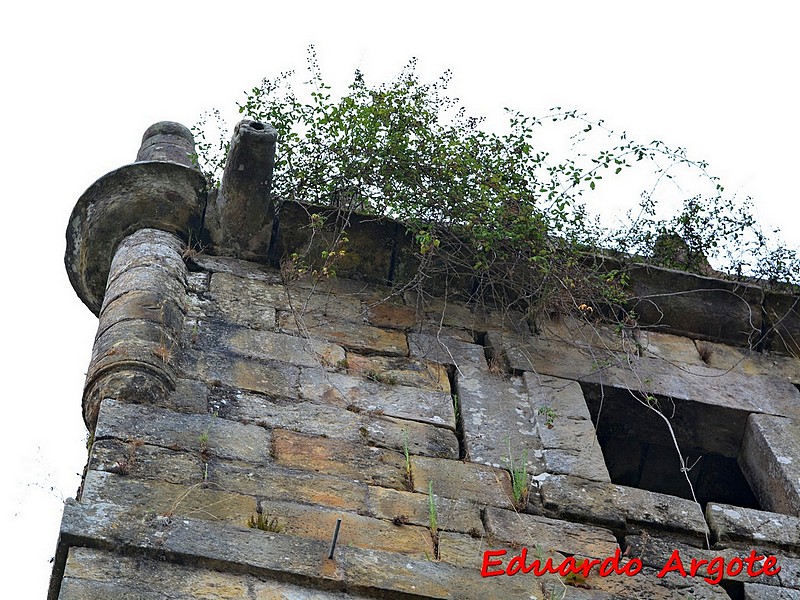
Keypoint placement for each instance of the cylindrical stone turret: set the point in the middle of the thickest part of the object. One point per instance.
(164, 190)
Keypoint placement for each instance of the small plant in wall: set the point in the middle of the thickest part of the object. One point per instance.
(549, 415)
(203, 438)
(520, 480)
(433, 520)
(264, 523)
(408, 474)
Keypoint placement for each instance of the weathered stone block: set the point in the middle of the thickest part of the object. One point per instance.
(621, 508)
(559, 536)
(460, 515)
(374, 466)
(419, 438)
(699, 384)
(274, 378)
(379, 398)
(448, 350)
(586, 462)
(561, 396)
(400, 370)
(146, 461)
(135, 343)
(758, 591)
(567, 435)
(497, 421)
(456, 479)
(238, 310)
(782, 312)
(586, 334)
(733, 525)
(197, 282)
(150, 248)
(96, 574)
(356, 530)
(153, 499)
(146, 278)
(234, 266)
(244, 298)
(769, 461)
(357, 337)
(393, 315)
(669, 348)
(696, 306)
(145, 306)
(199, 433)
(271, 346)
(750, 362)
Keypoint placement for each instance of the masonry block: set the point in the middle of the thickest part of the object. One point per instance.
(696, 306)
(275, 379)
(498, 423)
(365, 339)
(456, 479)
(564, 427)
(567, 538)
(198, 433)
(95, 574)
(757, 591)
(393, 400)
(750, 362)
(400, 370)
(621, 508)
(375, 466)
(269, 346)
(769, 461)
(743, 527)
(465, 356)
(669, 348)
(153, 499)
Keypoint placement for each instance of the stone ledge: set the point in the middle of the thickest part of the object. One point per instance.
(736, 526)
(700, 384)
(96, 574)
(655, 552)
(623, 509)
(273, 556)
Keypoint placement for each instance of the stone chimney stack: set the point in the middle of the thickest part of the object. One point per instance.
(240, 214)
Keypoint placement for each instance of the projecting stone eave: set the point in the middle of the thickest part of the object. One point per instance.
(152, 194)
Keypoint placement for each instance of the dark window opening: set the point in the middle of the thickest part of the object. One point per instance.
(639, 451)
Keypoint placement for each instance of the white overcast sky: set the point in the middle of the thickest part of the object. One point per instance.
(82, 81)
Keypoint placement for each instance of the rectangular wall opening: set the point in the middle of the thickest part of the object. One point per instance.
(639, 451)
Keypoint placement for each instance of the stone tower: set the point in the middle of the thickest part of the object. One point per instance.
(258, 434)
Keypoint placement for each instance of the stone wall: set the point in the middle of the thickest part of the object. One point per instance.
(238, 417)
